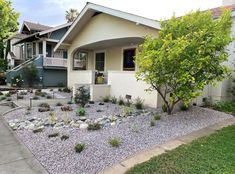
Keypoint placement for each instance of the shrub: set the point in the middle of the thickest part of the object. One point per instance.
(60, 84)
(106, 99)
(184, 107)
(79, 148)
(121, 101)
(53, 135)
(128, 103)
(99, 110)
(44, 105)
(43, 109)
(66, 108)
(52, 118)
(59, 104)
(139, 103)
(3, 98)
(225, 106)
(152, 123)
(49, 97)
(64, 137)
(8, 94)
(30, 73)
(35, 97)
(69, 102)
(91, 102)
(94, 126)
(164, 108)
(157, 117)
(20, 97)
(1, 93)
(17, 81)
(114, 142)
(23, 93)
(51, 90)
(66, 89)
(113, 100)
(60, 90)
(80, 112)
(9, 99)
(82, 96)
(127, 111)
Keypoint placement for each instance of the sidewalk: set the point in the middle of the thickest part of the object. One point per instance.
(15, 158)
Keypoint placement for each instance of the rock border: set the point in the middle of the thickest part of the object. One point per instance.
(126, 164)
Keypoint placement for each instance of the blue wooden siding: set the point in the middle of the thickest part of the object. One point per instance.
(58, 34)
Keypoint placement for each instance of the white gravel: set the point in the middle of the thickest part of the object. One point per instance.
(59, 157)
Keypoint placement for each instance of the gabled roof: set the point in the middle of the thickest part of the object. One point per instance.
(92, 9)
(55, 28)
(34, 26)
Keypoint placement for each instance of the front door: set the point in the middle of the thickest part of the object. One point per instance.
(99, 61)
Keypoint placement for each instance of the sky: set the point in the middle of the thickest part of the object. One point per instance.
(52, 12)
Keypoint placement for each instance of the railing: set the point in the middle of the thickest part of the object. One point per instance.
(52, 61)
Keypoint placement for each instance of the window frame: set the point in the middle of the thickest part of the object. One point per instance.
(124, 49)
(100, 51)
(86, 61)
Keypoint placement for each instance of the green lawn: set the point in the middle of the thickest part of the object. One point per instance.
(214, 154)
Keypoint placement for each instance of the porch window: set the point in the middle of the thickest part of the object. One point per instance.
(128, 59)
(99, 61)
(80, 60)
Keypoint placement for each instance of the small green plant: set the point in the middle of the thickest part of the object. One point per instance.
(9, 99)
(164, 108)
(66, 108)
(127, 111)
(23, 93)
(139, 103)
(49, 97)
(121, 101)
(184, 107)
(53, 135)
(1, 93)
(35, 97)
(114, 142)
(69, 102)
(8, 94)
(157, 117)
(113, 100)
(80, 111)
(37, 130)
(152, 123)
(19, 97)
(52, 118)
(59, 104)
(79, 148)
(106, 99)
(60, 90)
(66, 89)
(64, 137)
(44, 105)
(99, 110)
(3, 98)
(51, 90)
(94, 126)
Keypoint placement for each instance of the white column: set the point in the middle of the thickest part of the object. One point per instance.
(25, 51)
(37, 48)
(44, 48)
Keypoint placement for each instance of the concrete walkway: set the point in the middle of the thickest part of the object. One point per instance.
(15, 158)
(144, 156)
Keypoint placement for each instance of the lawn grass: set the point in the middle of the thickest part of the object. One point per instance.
(214, 154)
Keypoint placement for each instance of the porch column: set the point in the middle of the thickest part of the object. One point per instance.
(25, 51)
(37, 48)
(44, 48)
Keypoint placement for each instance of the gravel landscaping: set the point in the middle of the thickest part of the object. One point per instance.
(134, 133)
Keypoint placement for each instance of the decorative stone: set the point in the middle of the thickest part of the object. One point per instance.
(82, 118)
(113, 123)
(83, 126)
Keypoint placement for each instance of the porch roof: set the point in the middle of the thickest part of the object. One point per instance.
(91, 10)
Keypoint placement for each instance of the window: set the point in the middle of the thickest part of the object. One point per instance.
(99, 61)
(80, 60)
(128, 59)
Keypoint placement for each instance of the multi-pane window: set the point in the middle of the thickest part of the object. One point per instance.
(80, 60)
(99, 61)
(128, 59)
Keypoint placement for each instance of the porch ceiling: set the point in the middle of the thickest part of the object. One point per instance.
(113, 42)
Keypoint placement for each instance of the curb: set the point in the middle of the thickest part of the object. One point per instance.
(145, 155)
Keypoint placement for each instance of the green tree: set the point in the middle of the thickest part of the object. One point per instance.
(8, 23)
(71, 15)
(187, 55)
(30, 74)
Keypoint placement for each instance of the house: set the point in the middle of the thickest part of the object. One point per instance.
(36, 46)
(102, 43)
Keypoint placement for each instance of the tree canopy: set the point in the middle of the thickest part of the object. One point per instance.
(187, 55)
(71, 15)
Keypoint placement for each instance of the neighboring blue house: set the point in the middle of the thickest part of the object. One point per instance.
(37, 47)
